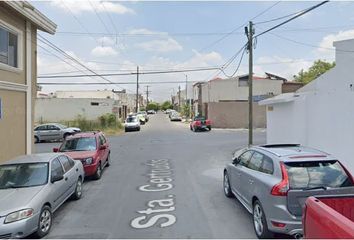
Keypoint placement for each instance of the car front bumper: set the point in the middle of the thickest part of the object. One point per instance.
(18, 229)
(90, 169)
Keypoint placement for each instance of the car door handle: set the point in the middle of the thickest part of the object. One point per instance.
(77, 169)
(66, 179)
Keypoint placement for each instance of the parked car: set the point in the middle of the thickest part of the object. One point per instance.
(200, 123)
(32, 188)
(151, 112)
(132, 123)
(91, 148)
(176, 117)
(53, 131)
(273, 182)
(329, 217)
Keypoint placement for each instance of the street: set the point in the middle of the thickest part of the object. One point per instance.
(191, 205)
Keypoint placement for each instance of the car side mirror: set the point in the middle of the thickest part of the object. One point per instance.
(235, 160)
(57, 178)
(55, 149)
(103, 147)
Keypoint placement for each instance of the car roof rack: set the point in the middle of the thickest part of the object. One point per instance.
(281, 145)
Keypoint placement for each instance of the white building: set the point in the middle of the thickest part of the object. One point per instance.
(320, 114)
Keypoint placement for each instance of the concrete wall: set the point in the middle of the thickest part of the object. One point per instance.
(235, 115)
(322, 114)
(66, 109)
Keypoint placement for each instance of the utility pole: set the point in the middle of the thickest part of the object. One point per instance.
(187, 92)
(147, 95)
(179, 98)
(137, 89)
(249, 32)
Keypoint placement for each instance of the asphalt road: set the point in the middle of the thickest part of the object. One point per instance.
(185, 167)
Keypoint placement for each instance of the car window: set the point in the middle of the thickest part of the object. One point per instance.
(78, 144)
(256, 161)
(103, 139)
(41, 128)
(317, 174)
(245, 157)
(52, 127)
(66, 164)
(267, 166)
(100, 140)
(57, 168)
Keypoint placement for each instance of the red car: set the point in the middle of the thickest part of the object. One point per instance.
(200, 123)
(91, 148)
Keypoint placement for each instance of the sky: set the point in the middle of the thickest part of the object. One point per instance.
(116, 37)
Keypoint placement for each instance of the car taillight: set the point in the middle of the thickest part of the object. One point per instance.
(278, 224)
(198, 123)
(281, 189)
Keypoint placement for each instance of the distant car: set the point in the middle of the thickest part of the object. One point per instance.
(151, 112)
(175, 117)
(200, 123)
(171, 112)
(32, 188)
(132, 123)
(91, 148)
(168, 111)
(141, 118)
(144, 113)
(53, 131)
(273, 182)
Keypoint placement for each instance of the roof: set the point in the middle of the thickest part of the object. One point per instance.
(294, 151)
(33, 158)
(32, 14)
(282, 98)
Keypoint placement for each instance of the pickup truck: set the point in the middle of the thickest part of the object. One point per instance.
(329, 217)
(200, 123)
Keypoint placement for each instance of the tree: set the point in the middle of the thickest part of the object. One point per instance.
(166, 105)
(152, 106)
(318, 68)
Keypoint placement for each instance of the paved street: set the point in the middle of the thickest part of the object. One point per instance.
(121, 204)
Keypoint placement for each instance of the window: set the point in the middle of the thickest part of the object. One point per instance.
(66, 164)
(8, 47)
(52, 127)
(57, 169)
(79, 144)
(41, 128)
(244, 158)
(256, 161)
(267, 166)
(102, 140)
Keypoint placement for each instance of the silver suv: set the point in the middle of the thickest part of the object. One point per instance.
(273, 181)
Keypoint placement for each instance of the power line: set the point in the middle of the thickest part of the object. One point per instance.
(127, 74)
(122, 83)
(238, 66)
(278, 18)
(296, 16)
(98, 16)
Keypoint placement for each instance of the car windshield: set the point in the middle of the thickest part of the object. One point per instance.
(131, 119)
(304, 175)
(23, 175)
(79, 144)
(199, 119)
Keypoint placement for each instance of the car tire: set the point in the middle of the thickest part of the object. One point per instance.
(108, 161)
(65, 135)
(260, 221)
(138, 129)
(98, 173)
(78, 190)
(36, 139)
(209, 128)
(125, 130)
(227, 187)
(44, 222)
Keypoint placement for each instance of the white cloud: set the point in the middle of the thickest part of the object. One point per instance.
(87, 6)
(106, 41)
(284, 67)
(146, 31)
(101, 51)
(163, 45)
(327, 41)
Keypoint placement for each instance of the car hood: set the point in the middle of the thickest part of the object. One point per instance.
(16, 199)
(73, 129)
(80, 154)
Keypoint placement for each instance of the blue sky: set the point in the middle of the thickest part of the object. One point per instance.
(175, 35)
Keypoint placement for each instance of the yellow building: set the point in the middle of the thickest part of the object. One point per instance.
(19, 22)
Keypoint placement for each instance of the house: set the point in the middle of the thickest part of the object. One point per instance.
(225, 101)
(320, 114)
(19, 22)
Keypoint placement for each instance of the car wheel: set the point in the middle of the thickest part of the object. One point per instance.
(36, 139)
(138, 129)
(78, 190)
(227, 187)
(44, 222)
(65, 135)
(108, 161)
(260, 221)
(98, 172)
(126, 130)
(209, 128)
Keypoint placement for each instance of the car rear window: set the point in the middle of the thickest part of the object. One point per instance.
(317, 174)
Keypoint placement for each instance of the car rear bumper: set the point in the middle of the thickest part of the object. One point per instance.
(18, 229)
